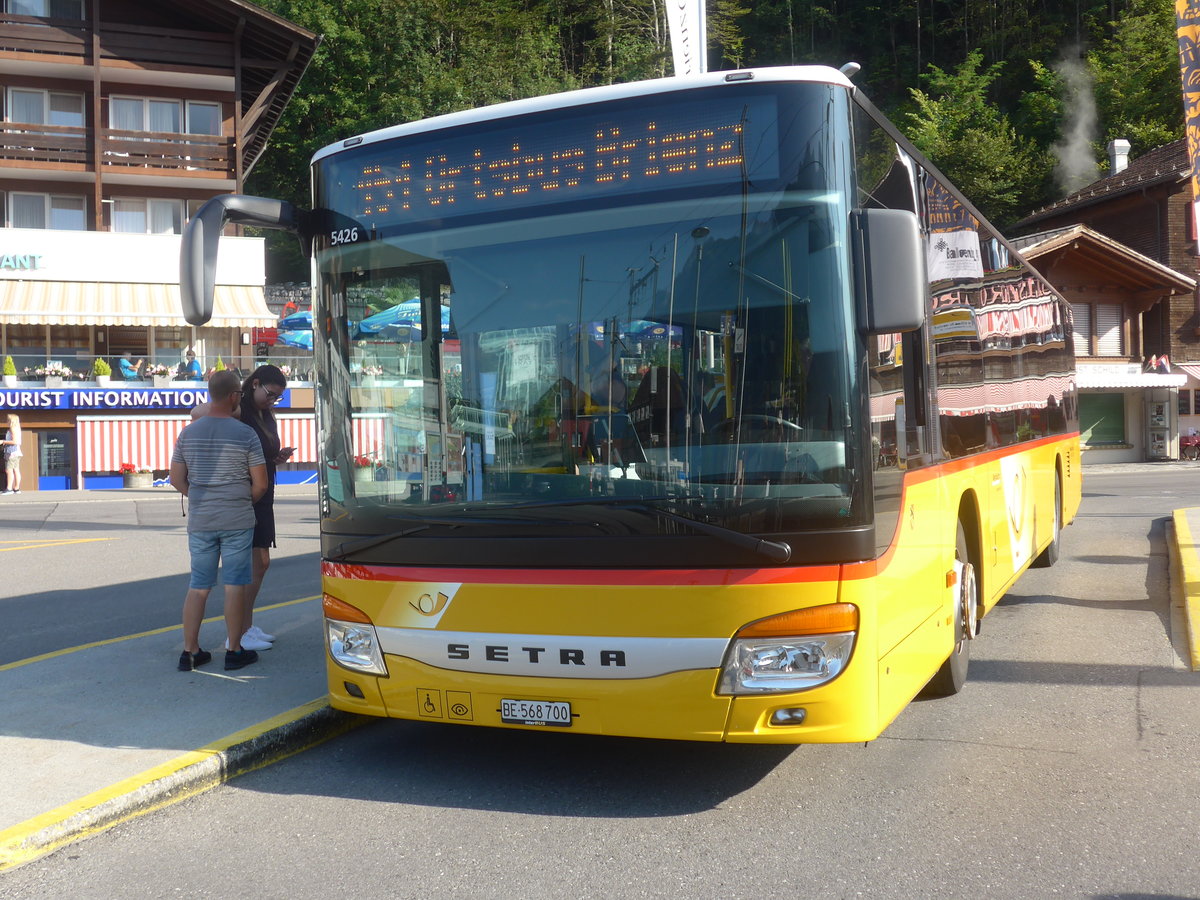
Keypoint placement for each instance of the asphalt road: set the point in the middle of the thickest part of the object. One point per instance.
(89, 566)
(1066, 767)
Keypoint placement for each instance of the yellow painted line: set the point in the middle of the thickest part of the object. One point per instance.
(1189, 564)
(18, 846)
(46, 542)
(129, 637)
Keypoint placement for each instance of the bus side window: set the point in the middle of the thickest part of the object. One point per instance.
(913, 445)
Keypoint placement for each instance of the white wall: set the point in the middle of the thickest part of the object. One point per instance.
(35, 254)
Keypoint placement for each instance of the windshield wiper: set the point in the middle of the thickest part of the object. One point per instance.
(779, 551)
(422, 523)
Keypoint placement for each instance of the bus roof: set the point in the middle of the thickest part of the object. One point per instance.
(814, 74)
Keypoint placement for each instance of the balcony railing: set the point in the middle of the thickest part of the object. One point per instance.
(168, 47)
(63, 146)
(209, 154)
(57, 144)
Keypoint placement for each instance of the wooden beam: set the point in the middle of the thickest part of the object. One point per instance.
(260, 102)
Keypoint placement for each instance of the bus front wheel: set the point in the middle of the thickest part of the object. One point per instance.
(950, 678)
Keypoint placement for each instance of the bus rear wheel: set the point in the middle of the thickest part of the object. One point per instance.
(950, 678)
(1049, 556)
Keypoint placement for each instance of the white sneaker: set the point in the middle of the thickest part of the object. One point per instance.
(258, 634)
(249, 643)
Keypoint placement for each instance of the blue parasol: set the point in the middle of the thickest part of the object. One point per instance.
(301, 321)
(406, 313)
(301, 339)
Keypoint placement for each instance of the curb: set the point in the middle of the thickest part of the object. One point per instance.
(176, 780)
(1185, 577)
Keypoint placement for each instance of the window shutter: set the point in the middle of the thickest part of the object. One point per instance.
(1081, 328)
(1108, 329)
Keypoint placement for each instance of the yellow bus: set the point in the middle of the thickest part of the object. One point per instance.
(702, 408)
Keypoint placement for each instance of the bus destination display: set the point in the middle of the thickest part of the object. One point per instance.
(446, 175)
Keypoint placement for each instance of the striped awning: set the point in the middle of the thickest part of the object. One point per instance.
(115, 303)
(105, 442)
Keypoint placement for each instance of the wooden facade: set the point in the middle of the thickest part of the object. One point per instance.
(139, 100)
(1147, 208)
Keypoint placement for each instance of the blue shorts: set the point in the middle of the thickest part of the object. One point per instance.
(232, 548)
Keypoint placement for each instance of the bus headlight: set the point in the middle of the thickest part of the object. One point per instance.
(355, 646)
(790, 652)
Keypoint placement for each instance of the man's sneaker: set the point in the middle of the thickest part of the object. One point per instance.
(251, 643)
(236, 659)
(258, 634)
(189, 661)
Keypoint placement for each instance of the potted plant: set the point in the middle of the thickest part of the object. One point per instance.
(102, 371)
(136, 476)
(160, 373)
(365, 467)
(52, 373)
(10, 372)
(220, 366)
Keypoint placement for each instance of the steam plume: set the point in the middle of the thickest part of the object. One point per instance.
(1076, 164)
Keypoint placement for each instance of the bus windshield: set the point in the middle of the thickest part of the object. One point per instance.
(687, 349)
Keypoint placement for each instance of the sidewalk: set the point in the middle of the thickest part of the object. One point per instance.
(93, 735)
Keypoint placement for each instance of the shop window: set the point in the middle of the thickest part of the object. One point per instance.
(26, 345)
(170, 344)
(131, 338)
(1102, 419)
(69, 343)
(1185, 403)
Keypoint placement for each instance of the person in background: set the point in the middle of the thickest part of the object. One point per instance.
(12, 455)
(130, 370)
(191, 370)
(260, 392)
(218, 465)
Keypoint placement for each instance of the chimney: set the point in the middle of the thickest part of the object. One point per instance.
(1118, 156)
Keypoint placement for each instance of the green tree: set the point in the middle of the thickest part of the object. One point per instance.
(973, 142)
(1136, 70)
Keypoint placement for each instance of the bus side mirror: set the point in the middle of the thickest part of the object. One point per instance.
(889, 270)
(198, 252)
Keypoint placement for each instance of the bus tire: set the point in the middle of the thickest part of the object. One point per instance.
(1049, 556)
(949, 679)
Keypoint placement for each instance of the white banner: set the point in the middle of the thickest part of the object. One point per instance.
(685, 19)
(954, 254)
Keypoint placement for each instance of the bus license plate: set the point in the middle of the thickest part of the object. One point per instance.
(535, 712)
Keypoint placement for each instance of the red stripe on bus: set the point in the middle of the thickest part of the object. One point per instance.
(682, 577)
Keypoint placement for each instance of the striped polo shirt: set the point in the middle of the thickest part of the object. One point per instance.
(218, 453)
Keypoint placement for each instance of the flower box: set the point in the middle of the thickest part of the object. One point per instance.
(138, 479)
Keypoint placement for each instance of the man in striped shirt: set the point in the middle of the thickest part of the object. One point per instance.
(218, 465)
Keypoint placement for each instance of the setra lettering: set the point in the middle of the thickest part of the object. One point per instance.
(566, 656)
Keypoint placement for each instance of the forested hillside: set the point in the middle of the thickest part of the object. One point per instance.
(1013, 99)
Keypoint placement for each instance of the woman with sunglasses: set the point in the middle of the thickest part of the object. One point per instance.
(260, 392)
